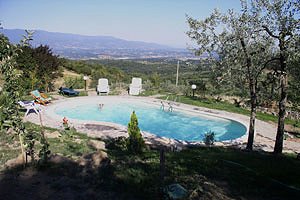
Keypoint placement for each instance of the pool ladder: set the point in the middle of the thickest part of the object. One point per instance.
(170, 109)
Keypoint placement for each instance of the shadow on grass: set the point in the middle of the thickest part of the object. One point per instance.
(253, 175)
(63, 178)
(211, 173)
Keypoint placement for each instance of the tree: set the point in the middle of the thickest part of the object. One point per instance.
(235, 49)
(135, 140)
(40, 66)
(155, 79)
(47, 66)
(27, 63)
(280, 19)
(10, 117)
(118, 75)
(294, 83)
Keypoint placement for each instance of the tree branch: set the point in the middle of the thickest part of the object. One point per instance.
(265, 65)
(269, 32)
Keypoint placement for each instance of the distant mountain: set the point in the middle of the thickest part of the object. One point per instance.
(67, 40)
(95, 47)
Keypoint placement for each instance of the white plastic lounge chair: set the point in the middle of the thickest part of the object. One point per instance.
(102, 87)
(29, 105)
(135, 87)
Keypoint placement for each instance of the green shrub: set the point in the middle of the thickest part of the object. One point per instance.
(209, 138)
(119, 143)
(74, 82)
(135, 142)
(147, 85)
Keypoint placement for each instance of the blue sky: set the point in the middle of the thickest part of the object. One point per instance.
(159, 21)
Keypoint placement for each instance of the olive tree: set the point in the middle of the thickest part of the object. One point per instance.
(280, 20)
(235, 48)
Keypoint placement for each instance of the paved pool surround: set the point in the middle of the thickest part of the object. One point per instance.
(264, 136)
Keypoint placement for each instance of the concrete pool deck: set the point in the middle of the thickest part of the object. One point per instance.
(264, 137)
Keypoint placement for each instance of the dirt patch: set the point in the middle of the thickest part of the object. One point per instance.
(54, 134)
(293, 140)
(291, 129)
(96, 127)
(99, 145)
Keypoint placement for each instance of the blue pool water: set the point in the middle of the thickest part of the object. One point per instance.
(176, 125)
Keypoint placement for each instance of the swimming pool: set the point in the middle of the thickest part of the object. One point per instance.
(177, 125)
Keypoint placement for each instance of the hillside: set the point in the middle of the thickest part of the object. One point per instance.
(94, 47)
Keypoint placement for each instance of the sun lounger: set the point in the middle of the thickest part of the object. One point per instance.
(40, 98)
(135, 87)
(29, 106)
(102, 87)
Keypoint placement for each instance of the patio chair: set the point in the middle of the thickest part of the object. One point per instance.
(135, 87)
(40, 98)
(102, 87)
(29, 106)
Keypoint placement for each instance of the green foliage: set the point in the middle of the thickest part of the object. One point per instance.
(95, 70)
(239, 53)
(279, 20)
(47, 67)
(169, 87)
(29, 141)
(136, 176)
(147, 85)
(119, 143)
(155, 79)
(39, 67)
(44, 151)
(193, 166)
(294, 82)
(10, 115)
(135, 140)
(83, 93)
(5, 48)
(81, 67)
(74, 82)
(209, 138)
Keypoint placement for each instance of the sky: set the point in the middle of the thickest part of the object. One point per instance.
(157, 21)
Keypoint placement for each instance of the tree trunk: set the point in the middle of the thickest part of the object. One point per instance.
(281, 116)
(252, 89)
(272, 90)
(283, 97)
(252, 116)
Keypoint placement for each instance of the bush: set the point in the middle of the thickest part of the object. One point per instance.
(74, 82)
(147, 85)
(135, 142)
(119, 143)
(209, 138)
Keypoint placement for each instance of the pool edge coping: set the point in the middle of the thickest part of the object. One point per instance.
(244, 120)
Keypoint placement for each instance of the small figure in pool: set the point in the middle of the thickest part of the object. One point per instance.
(162, 107)
(101, 105)
(170, 107)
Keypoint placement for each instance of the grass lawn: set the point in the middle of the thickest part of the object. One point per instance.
(238, 174)
(251, 175)
(220, 105)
